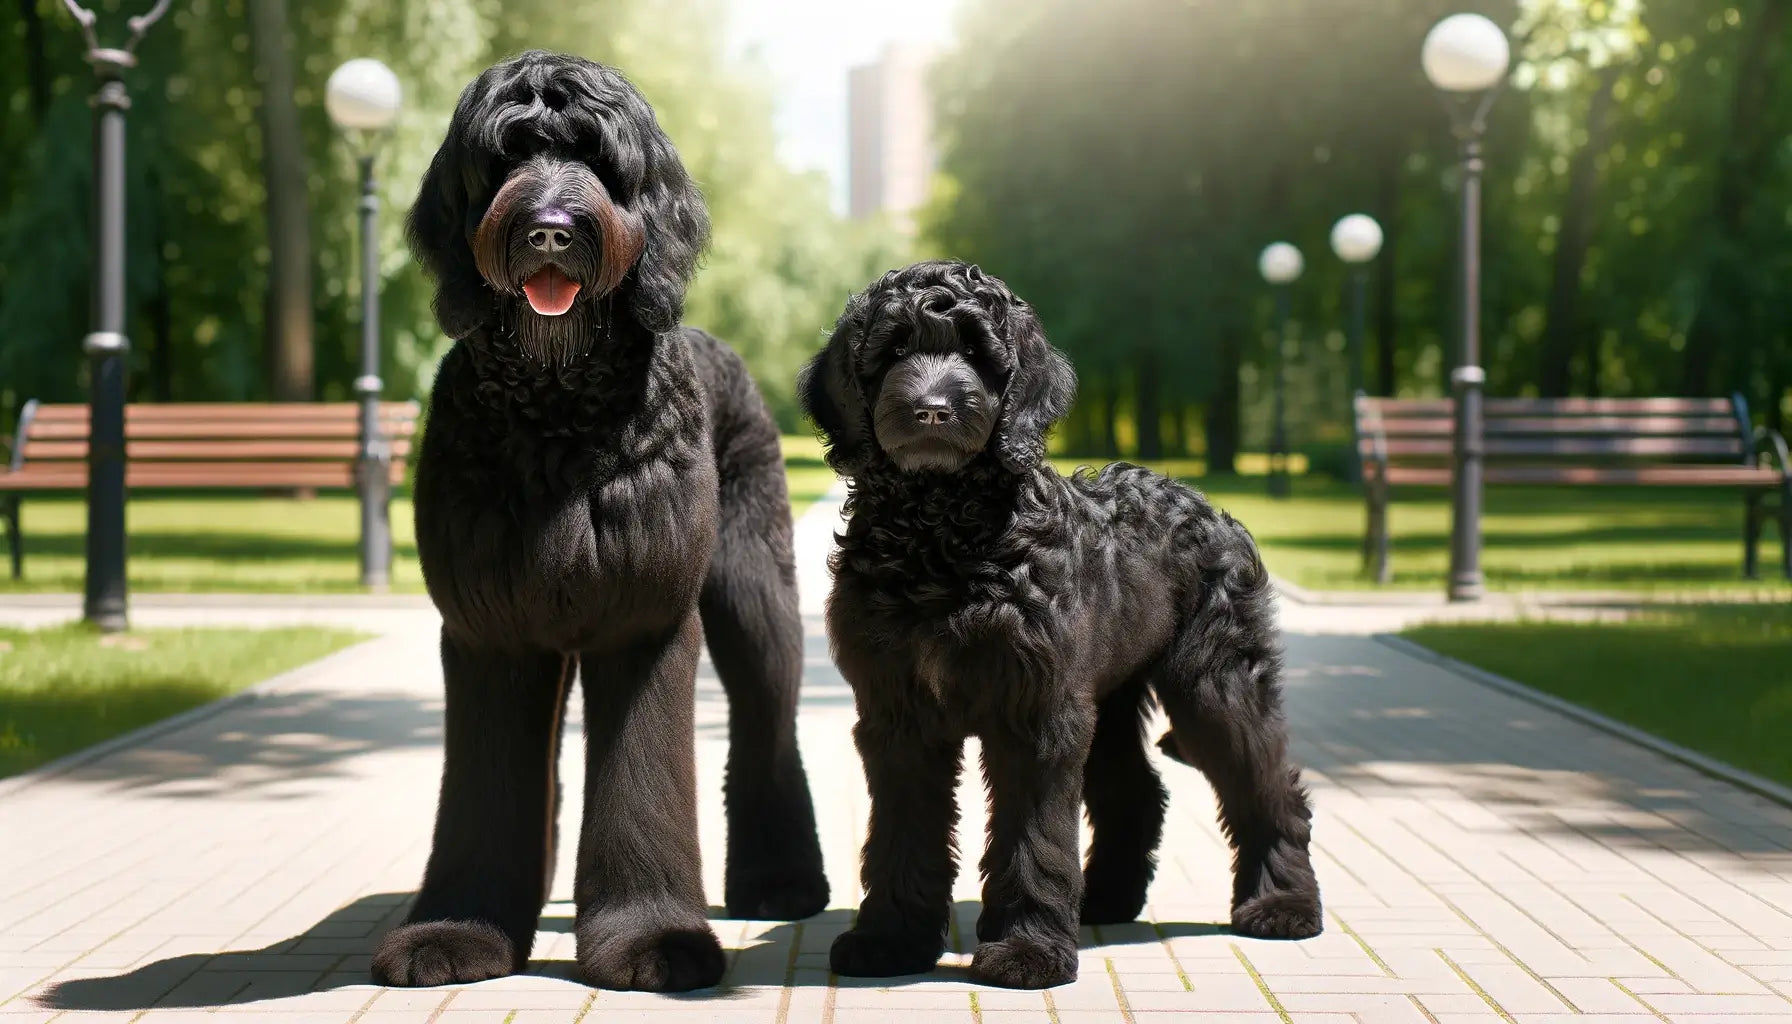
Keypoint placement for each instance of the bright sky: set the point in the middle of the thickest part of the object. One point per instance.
(809, 46)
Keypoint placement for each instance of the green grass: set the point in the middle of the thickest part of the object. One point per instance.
(1640, 540)
(1714, 678)
(241, 544)
(65, 688)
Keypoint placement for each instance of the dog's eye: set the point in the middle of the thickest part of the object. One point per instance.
(900, 351)
(970, 351)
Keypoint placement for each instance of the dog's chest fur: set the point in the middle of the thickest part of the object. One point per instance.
(949, 577)
(567, 507)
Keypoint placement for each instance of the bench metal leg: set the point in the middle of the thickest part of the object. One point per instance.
(1375, 538)
(1751, 536)
(15, 540)
(1786, 528)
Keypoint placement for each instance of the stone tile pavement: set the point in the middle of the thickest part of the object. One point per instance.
(1483, 859)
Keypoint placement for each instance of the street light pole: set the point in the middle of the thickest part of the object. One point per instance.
(1281, 265)
(376, 455)
(105, 602)
(1357, 240)
(1466, 57)
(1278, 440)
(1467, 382)
(363, 97)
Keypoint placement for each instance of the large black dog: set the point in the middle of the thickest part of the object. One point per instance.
(977, 592)
(585, 457)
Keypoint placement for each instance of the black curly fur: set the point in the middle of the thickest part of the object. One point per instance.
(1041, 614)
(598, 492)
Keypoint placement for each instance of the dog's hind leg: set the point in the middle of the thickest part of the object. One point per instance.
(1125, 802)
(755, 636)
(483, 889)
(1221, 686)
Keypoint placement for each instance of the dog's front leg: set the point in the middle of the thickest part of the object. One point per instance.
(911, 768)
(1032, 880)
(642, 918)
(482, 892)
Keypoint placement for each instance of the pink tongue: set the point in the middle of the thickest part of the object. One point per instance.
(550, 291)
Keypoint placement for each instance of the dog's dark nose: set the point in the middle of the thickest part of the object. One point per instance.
(550, 231)
(932, 412)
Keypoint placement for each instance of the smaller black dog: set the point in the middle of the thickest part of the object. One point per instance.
(978, 592)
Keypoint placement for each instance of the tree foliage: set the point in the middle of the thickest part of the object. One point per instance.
(198, 244)
(1124, 163)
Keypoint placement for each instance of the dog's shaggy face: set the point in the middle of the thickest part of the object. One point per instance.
(931, 366)
(554, 207)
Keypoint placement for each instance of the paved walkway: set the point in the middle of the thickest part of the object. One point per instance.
(1483, 859)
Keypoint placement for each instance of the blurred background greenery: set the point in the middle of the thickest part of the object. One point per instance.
(200, 249)
(1121, 164)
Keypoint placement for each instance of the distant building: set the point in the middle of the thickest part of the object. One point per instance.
(891, 134)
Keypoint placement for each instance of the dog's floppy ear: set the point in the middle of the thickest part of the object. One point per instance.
(830, 394)
(437, 229)
(1039, 392)
(676, 223)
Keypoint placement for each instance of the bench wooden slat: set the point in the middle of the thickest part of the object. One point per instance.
(1559, 406)
(1667, 426)
(224, 476)
(67, 430)
(151, 411)
(1676, 476)
(1567, 447)
(217, 451)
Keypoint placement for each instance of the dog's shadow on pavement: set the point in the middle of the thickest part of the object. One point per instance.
(334, 953)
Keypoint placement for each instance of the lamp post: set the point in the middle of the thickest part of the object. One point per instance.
(1357, 240)
(105, 603)
(362, 97)
(1281, 265)
(1466, 56)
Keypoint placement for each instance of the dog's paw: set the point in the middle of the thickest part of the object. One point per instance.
(860, 954)
(767, 893)
(1022, 962)
(443, 953)
(664, 959)
(1284, 914)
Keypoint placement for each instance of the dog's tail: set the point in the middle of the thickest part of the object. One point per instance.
(754, 630)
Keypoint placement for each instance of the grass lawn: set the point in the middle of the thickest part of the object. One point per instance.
(239, 544)
(1714, 678)
(1534, 538)
(66, 688)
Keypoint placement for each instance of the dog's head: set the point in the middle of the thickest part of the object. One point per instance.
(555, 190)
(932, 365)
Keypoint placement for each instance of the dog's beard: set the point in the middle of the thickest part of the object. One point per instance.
(559, 340)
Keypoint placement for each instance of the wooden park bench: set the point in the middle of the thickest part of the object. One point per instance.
(200, 446)
(1579, 442)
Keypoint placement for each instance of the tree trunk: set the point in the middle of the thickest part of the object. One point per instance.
(1147, 410)
(1223, 405)
(1110, 417)
(1746, 162)
(1387, 275)
(289, 324)
(161, 313)
(37, 70)
(1563, 322)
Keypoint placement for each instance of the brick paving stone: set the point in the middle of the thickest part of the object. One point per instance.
(1483, 860)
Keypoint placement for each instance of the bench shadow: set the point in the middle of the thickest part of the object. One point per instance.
(335, 953)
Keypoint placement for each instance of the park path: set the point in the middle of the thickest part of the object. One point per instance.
(1482, 858)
